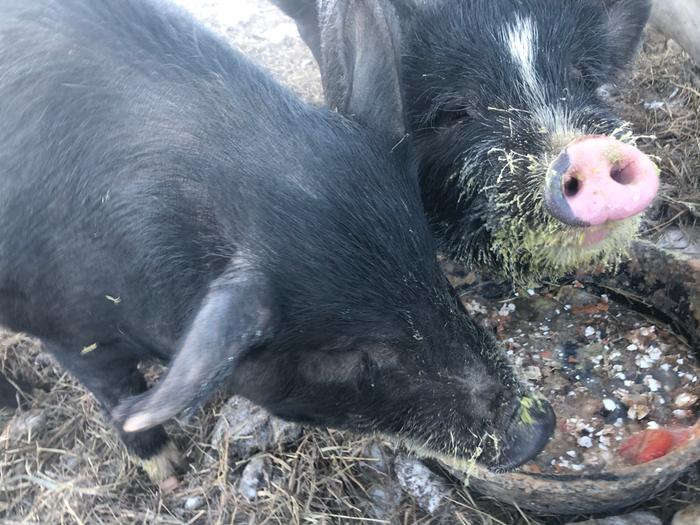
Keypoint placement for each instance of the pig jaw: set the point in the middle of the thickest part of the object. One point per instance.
(526, 433)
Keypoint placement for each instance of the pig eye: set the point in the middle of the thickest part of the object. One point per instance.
(447, 117)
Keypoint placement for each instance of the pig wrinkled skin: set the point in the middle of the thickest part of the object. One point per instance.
(163, 198)
(525, 169)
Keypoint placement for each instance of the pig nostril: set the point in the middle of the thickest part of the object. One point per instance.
(623, 174)
(572, 187)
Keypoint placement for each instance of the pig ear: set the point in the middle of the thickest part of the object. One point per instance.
(361, 58)
(624, 23)
(305, 14)
(235, 315)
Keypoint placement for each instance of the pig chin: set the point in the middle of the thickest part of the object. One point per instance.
(564, 249)
(529, 255)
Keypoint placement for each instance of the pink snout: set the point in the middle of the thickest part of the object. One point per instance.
(597, 179)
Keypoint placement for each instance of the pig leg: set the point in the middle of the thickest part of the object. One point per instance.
(110, 373)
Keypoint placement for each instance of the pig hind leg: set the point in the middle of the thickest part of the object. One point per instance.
(110, 373)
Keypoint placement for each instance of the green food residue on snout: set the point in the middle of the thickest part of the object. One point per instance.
(526, 406)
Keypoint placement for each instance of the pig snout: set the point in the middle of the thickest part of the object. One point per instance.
(597, 179)
(528, 432)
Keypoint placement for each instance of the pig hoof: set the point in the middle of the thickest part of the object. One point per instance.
(169, 485)
(163, 467)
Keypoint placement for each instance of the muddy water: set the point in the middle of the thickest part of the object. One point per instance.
(608, 371)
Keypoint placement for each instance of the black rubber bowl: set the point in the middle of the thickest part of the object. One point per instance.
(667, 283)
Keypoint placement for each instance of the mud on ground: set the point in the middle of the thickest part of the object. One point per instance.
(60, 462)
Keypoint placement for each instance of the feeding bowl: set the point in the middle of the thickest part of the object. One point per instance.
(664, 281)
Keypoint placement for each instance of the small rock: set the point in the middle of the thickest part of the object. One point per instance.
(668, 378)
(652, 384)
(532, 373)
(506, 310)
(609, 404)
(654, 353)
(685, 400)
(643, 361)
(585, 441)
(250, 429)
(384, 499)
(255, 476)
(635, 518)
(474, 307)
(376, 458)
(687, 516)
(638, 411)
(682, 414)
(535, 308)
(592, 458)
(194, 502)
(421, 483)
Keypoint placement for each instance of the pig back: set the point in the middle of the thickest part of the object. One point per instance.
(138, 150)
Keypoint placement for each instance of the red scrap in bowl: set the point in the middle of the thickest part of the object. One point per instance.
(654, 443)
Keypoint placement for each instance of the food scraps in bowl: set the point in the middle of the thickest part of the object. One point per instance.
(624, 387)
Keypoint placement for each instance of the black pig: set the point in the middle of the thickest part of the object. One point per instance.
(524, 168)
(163, 198)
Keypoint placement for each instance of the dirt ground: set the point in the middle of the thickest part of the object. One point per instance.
(60, 462)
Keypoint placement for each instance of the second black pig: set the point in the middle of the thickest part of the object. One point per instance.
(525, 170)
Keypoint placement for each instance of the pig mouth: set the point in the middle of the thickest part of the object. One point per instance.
(604, 237)
(595, 235)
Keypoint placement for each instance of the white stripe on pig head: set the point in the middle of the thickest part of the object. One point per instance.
(521, 39)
